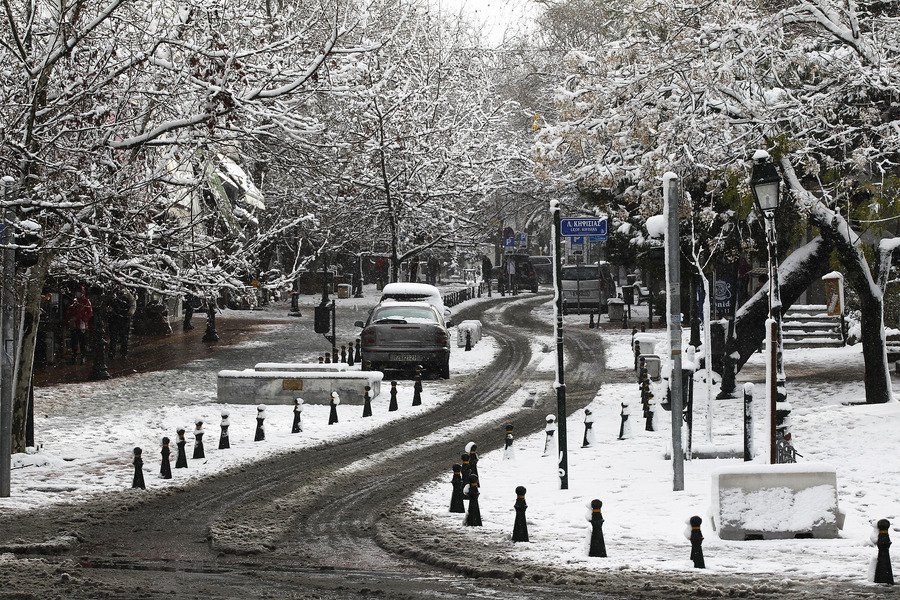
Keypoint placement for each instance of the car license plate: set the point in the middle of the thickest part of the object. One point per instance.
(407, 358)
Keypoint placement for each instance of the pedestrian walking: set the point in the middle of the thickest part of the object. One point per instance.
(79, 315)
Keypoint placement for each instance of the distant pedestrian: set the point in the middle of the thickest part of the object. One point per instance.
(79, 314)
(120, 311)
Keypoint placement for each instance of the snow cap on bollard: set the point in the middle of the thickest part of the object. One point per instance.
(333, 415)
(224, 442)
(509, 452)
(260, 420)
(297, 425)
(588, 440)
(165, 468)
(625, 427)
(550, 431)
(199, 451)
(138, 481)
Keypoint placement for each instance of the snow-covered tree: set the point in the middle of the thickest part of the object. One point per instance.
(697, 87)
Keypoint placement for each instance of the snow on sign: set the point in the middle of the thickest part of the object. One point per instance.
(595, 227)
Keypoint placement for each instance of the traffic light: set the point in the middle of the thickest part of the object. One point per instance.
(322, 318)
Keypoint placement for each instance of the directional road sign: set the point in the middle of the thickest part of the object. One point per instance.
(593, 226)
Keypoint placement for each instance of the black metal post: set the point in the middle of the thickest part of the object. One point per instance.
(748, 422)
(333, 328)
(560, 364)
(211, 335)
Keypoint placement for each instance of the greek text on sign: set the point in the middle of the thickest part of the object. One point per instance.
(593, 226)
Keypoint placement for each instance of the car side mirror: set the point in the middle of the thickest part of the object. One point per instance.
(359, 324)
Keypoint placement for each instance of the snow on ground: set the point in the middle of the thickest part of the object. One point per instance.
(90, 429)
(645, 520)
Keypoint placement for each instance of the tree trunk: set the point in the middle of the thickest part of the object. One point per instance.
(795, 274)
(33, 288)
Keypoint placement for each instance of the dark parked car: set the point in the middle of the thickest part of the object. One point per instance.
(401, 335)
(524, 277)
(543, 267)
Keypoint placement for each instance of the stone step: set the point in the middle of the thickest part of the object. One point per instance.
(803, 333)
(809, 309)
(812, 343)
(821, 326)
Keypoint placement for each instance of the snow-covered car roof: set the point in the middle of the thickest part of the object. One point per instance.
(418, 289)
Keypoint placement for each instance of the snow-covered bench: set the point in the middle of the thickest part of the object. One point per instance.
(775, 502)
(473, 328)
(281, 387)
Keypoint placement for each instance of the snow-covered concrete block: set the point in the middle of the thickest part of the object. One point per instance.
(646, 343)
(281, 387)
(476, 324)
(775, 502)
(654, 366)
(468, 327)
(301, 367)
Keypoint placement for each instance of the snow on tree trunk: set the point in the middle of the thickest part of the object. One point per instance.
(858, 274)
(707, 354)
(804, 266)
(33, 289)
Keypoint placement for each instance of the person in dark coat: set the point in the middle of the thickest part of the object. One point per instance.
(119, 315)
(79, 315)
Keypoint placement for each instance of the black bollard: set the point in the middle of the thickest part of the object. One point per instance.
(367, 405)
(471, 493)
(883, 571)
(696, 538)
(393, 404)
(181, 460)
(588, 429)
(509, 452)
(591, 321)
(334, 355)
(471, 448)
(468, 340)
(321, 360)
(358, 356)
(520, 527)
(138, 481)
(224, 442)
(297, 425)
(198, 440)
(260, 421)
(332, 416)
(464, 459)
(165, 467)
(625, 427)
(350, 360)
(651, 413)
(598, 544)
(550, 430)
(417, 387)
(328, 358)
(456, 498)
(343, 354)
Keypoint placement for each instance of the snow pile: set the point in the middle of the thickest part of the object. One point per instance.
(777, 509)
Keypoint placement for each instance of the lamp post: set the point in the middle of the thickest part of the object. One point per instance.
(765, 182)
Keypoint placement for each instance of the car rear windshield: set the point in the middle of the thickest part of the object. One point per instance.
(404, 314)
(580, 273)
(407, 297)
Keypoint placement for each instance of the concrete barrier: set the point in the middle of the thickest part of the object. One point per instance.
(468, 327)
(754, 502)
(281, 387)
(329, 367)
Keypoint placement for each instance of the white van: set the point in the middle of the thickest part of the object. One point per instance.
(586, 288)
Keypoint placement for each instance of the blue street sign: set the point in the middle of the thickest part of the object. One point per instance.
(597, 238)
(576, 240)
(509, 242)
(522, 238)
(594, 226)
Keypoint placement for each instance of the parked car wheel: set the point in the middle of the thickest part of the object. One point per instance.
(445, 369)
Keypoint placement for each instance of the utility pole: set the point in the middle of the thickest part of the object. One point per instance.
(7, 339)
(560, 365)
(671, 200)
